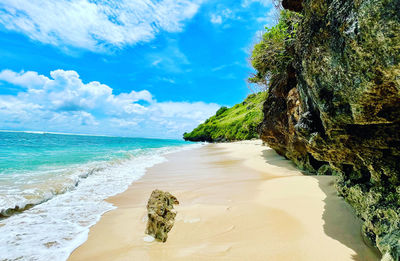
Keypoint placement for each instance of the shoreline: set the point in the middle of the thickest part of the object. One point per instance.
(237, 200)
(69, 196)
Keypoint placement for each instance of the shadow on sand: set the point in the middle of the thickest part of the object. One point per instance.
(340, 221)
(272, 158)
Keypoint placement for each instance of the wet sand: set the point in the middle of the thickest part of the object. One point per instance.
(238, 201)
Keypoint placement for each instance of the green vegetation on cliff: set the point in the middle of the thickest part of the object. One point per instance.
(228, 124)
(274, 53)
(333, 103)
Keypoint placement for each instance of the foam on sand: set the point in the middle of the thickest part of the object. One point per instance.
(53, 229)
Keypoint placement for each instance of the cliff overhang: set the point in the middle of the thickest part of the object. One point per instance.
(336, 109)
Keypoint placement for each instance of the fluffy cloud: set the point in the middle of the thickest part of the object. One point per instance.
(62, 102)
(95, 25)
(222, 14)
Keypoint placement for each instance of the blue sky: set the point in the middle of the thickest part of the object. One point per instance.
(126, 68)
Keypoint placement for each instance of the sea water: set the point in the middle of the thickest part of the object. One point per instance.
(53, 187)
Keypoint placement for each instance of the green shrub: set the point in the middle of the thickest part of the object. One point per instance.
(272, 55)
(228, 124)
(221, 110)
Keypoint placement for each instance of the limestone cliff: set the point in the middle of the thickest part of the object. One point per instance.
(337, 110)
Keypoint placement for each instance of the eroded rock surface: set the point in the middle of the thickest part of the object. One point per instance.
(340, 112)
(161, 214)
(282, 112)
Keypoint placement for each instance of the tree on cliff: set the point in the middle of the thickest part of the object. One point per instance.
(272, 55)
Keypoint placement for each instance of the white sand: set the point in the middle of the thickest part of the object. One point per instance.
(238, 201)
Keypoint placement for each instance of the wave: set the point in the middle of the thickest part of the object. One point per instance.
(52, 229)
(57, 188)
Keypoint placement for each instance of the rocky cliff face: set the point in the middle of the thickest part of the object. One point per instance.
(338, 110)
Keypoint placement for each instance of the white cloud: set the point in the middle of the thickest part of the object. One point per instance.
(29, 79)
(166, 79)
(270, 19)
(156, 62)
(224, 66)
(62, 102)
(216, 19)
(222, 15)
(95, 25)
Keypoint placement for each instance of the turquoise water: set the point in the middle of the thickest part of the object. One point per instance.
(21, 151)
(53, 187)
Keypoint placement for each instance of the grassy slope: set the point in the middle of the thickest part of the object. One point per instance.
(237, 123)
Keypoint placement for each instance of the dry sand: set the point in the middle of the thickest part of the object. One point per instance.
(238, 201)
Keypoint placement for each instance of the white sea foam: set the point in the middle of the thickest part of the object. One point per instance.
(53, 229)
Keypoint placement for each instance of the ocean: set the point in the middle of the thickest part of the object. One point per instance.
(53, 187)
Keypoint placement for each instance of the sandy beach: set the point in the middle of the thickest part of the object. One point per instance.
(238, 201)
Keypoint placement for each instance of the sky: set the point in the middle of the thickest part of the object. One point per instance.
(136, 68)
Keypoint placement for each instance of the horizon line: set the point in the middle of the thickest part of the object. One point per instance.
(80, 134)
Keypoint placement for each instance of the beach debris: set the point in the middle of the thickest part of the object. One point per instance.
(161, 214)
